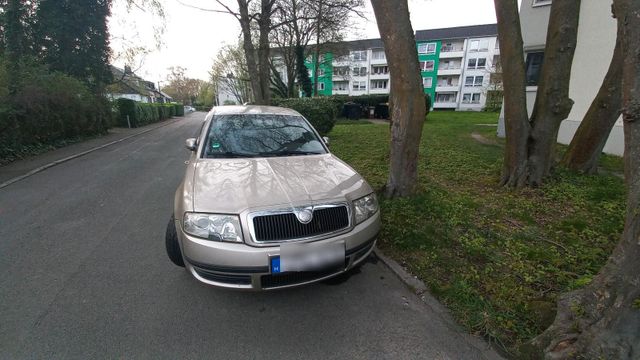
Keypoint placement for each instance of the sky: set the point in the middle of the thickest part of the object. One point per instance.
(193, 37)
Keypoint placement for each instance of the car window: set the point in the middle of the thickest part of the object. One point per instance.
(260, 135)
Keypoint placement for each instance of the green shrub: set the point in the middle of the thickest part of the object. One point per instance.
(144, 113)
(47, 109)
(179, 109)
(321, 112)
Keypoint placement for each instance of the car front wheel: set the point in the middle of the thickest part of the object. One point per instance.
(171, 242)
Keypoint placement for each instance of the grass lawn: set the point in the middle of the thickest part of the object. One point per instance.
(498, 258)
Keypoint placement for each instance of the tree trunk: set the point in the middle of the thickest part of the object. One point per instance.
(264, 70)
(249, 51)
(408, 109)
(13, 43)
(587, 144)
(602, 320)
(514, 173)
(553, 104)
(316, 60)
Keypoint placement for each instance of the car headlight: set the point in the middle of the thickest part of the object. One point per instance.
(365, 207)
(216, 227)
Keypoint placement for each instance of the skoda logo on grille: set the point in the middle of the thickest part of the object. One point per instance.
(304, 216)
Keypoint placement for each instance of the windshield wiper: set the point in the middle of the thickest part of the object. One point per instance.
(230, 154)
(289, 153)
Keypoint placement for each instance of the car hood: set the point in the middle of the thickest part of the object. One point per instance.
(234, 185)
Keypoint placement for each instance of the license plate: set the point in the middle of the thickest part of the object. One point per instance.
(308, 257)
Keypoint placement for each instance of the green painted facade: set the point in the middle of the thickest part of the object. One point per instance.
(435, 57)
(326, 65)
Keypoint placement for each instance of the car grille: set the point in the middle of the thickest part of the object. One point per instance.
(277, 227)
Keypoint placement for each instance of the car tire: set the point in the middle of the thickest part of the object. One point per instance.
(172, 245)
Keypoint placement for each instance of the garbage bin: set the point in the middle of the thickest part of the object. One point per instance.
(352, 111)
(382, 111)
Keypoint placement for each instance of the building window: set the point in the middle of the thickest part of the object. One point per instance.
(359, 85)
(473, 80)
(359, 71)
(379, 84)
(340, 71)
(471, 98)
(478, 45)
(427, 82)
(321, 86)
(427, 48)
(534, 67)
(341, 85)
(446, 98)
(379, 70)
(359, 55)
(448, 65)
(478, 63)
(320, 72)
(446, 81)
(378, 55)
(428, 65)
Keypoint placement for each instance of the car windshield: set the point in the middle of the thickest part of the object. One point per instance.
(260, 135)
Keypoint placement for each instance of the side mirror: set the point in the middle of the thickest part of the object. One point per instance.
(191, 144)
(326, 140)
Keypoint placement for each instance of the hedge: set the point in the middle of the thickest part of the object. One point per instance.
(321, 112)
(145, 113)
(48, 109)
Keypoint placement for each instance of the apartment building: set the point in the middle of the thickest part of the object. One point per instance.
(456, 66)
(596, 41)
(458, 63)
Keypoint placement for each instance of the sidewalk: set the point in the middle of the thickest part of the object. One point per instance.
(24, 166)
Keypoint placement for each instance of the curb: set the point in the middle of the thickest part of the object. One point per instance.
(75, 156)
(421, 290)
(411, 281)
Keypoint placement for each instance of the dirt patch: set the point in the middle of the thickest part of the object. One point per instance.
(482, 140)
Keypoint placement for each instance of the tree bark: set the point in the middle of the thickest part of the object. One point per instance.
(316, 60)
(514, 173)
(13, 42)
(408, 108)
(264, 69)
(553, 104)
(602, 320)
(249, 50)
(592, 134)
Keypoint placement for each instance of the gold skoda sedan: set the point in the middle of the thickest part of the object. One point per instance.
(265, 205)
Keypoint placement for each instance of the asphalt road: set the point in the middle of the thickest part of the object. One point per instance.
(83, 274)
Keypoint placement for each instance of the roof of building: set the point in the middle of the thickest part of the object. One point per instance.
(460, 32)
(363, 44)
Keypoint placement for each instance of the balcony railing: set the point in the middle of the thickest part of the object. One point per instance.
(450, 49)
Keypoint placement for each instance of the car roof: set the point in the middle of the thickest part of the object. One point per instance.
(252, 109)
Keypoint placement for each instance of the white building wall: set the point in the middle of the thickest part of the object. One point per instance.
(596, 40)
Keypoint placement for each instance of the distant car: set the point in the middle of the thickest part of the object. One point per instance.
(264, 204)
(188, 109)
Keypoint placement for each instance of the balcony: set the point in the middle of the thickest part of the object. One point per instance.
(445, 105)
(448, 52)
(447, 87)
(382, 61)
(379, 91)
(379, 76)
(450, 71)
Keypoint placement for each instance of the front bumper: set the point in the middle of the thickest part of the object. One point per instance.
(241, 266)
